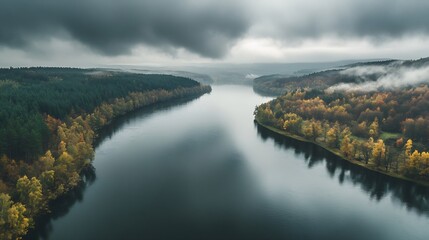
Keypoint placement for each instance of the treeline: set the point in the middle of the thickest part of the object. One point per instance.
(280, 85)
(28, 184)
(387, 131)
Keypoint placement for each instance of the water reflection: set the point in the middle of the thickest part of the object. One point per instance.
(62, 205)
(377, 186)
(116, 126)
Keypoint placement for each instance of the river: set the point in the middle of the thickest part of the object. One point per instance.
(201, 169)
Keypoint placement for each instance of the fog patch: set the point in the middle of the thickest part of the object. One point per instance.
(389, 77)
(251, 76)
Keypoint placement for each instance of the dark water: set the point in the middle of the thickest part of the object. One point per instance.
(203, 170)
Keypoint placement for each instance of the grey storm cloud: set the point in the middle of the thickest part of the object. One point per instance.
(380, 19)
(114, 27)
(206, 27)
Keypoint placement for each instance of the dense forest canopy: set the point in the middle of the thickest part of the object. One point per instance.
(28, 94)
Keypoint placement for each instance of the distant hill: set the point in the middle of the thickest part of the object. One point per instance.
(199, 77)
(350, 75)
(233, 73)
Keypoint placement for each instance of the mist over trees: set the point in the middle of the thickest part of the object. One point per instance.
(368, 76)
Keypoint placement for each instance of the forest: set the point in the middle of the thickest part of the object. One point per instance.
(49, 118)
(387, 131)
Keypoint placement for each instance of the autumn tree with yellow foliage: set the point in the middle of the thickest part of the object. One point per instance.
(13, 222)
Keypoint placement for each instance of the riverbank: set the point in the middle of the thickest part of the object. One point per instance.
(338, 154)
(87, 127)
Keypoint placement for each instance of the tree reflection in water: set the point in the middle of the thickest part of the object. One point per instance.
(377, 186)
(62, 205)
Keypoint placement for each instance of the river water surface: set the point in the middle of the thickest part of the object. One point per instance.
(201, 169)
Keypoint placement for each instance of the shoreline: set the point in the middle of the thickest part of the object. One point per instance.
(97, 131)
(193, 92)
(98, 138)
(42, 218)
(338, 154)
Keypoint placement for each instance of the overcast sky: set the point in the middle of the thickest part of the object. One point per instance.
(174, 32)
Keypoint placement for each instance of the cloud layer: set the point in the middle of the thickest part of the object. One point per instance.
(381, 19)
(208, 28)
(114, 27)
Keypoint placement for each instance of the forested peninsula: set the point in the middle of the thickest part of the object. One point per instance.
(385, 130)
(49, 118)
